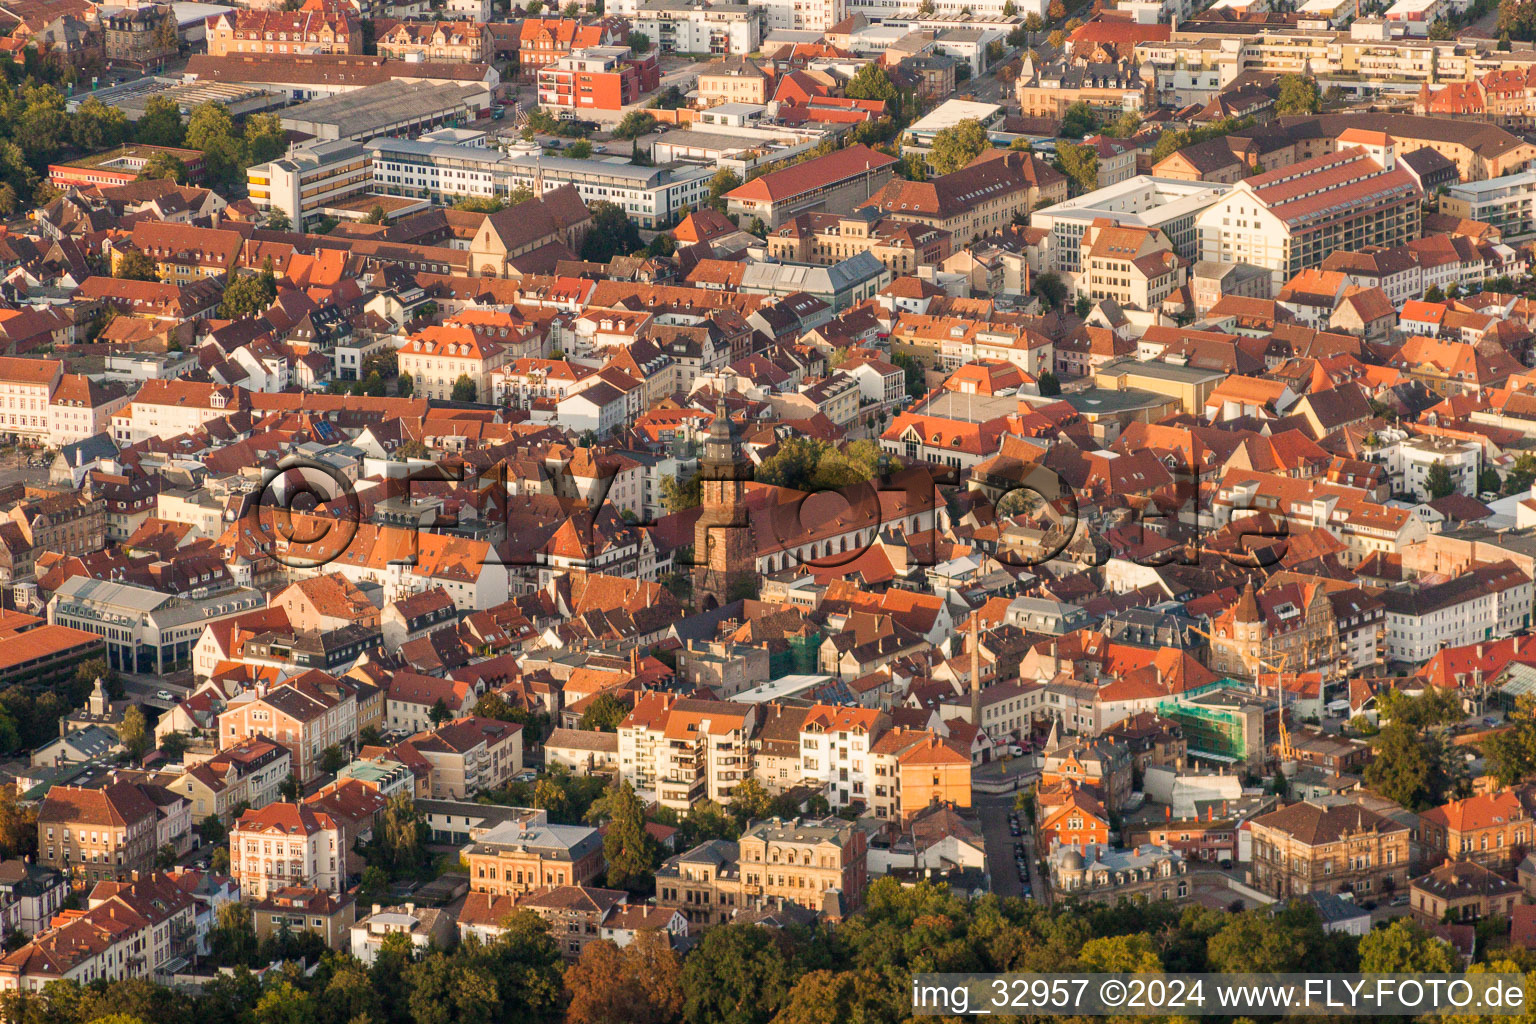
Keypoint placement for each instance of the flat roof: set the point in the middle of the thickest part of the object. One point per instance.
(1105, 401)
(377, 106)
(1142, 200)
(1161, 371)
(952, 112)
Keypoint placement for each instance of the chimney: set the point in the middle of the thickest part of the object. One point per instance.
(976, 669)
(377, 909)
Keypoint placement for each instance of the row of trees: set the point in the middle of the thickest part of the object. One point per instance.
(860, 970)
(36, 129)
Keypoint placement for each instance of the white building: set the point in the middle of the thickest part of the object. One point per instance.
(315, 175)
(690, 26)
(286, 844)
(1485, 602)
(1419, 455)
(145, 630)
(442, 172)
(25, 387)
(836, 745)
(1169, 205)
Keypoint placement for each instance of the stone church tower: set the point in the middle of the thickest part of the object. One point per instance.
(722, 540)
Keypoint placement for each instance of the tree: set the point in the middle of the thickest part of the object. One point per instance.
(581, 149)
(165, 857)
(1079, 120)
(1050, 288)
(1488, 481)
(1124, 126)
(1082, 307)
(1412, 766)
(211, 129)
(247, 295)
(289, 788)
(405, 385)
(376, 215)
(1438, 481)
(737, 974)
(639, 984)
(174, 745)
(1033, 23)
(211, 830)
(871, 82)
(866, 994)
(1511, 754)
(219, 863)
(1298, 95)
(1404, 947)
(1434, 294)
(1517, 20)
(680, 496)
(403, 838)
(750, 801)
(1260, 942)
(956, 146)
(464, 390)
(1120, 954)
(604, 713)
(611, 234)
(94, 126)
(265, 138)
(635, 124)
(160, 124)
(18, 826)
(1080, 164)
(639, 42)
(333, 759)
(134, 731)
(134, 265)
(631, 851)
(1056, 11)
(1048, 384)
(234, 934)
(724, 181)
(8, 199)
(917, 377)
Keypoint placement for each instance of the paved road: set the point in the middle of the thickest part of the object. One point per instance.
(993, 811)
(141, 689)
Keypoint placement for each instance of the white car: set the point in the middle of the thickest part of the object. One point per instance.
(164, 695)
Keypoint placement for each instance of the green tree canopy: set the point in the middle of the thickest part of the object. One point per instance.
(956, 146)
(135, 265)
(1298, 95)
(604, 713)
(611, 234)
(631, 851)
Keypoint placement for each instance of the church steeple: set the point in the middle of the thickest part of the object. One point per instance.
(722, 540)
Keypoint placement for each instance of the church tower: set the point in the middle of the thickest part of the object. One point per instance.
(722, 540)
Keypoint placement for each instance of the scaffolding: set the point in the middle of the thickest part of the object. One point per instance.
(800, 657)
(1217, 734)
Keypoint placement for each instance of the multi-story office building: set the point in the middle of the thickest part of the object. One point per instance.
(145, 630)
(652, 196)
(1291, 219)
(314, 176)
(680, 751)
(98, 834)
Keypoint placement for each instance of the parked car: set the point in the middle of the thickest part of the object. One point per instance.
(164, 695)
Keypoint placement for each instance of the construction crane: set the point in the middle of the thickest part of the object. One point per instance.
(1254, 662)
